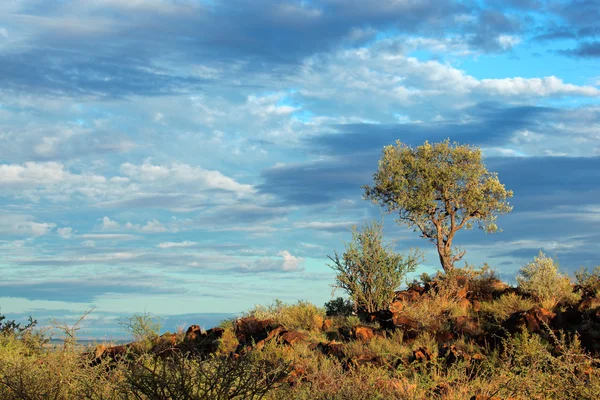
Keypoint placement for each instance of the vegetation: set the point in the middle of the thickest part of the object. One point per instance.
(438, 189)
(543, 280)
(369, 270)
(457, 348)
(460, 334)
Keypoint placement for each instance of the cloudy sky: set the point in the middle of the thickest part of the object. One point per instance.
(202, 156)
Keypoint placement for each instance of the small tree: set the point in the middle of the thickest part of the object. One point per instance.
(542, 278)
(369, 271)
(438, 189)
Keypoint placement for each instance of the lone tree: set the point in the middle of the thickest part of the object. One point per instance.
(438, 189)
(369, 270)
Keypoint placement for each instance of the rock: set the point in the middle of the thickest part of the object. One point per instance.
(422, 354)
(365, 359)
(413, 293)
(396, 307)
(327, 324)
(193, 332)
(250, 329)
(383, 317)
(533, 320)
(363, 333)
(164, 344)
(113, 354)
(588, 304)
(464, 304)
(292, 337)
(444, 336)
(334, 349)
(466, 326)
(404, 322)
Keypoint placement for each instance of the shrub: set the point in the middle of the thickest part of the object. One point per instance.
(143, 327)
(544, 281)
(301, 315)
(12, 327)
(589, 281)
(217, 378)
(339, 307)
(369, 271)
(508, 304)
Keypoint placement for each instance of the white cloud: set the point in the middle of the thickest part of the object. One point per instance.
(23, 226)
(153, 226)
(290, 262)
(287, 263)
(32, 174)
(548, 86)
(324, 225)
(183, 173)
(108, 236)
(65, 233)
(108, 224)
(507, 42)
(169, 245)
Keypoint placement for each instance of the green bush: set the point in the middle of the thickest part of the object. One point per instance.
(589, 281)
(369, 271)
(543, 280)
(508, 304)
(301, 315)
(339, 307)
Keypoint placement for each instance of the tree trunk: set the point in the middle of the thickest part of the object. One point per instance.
(445, 258)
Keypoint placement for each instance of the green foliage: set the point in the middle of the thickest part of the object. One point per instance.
(369, 270)
(508, 304)
(12, 327)
(143, 327)
(544, 281)
(589, 281)
(301, 315)
(215, 378)
(438, 189)
(339, 307)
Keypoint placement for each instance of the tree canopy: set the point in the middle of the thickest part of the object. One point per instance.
(438, 189)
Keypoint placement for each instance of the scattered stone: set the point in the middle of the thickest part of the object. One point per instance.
(363, 333)
(422, 354)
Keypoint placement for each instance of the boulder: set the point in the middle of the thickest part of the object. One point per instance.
(533, 320)
(410, 326)
(327, 324)
(422, 354)
(334, 349)
(363, 333)
(292, 337)
(251, 329)
(467, 326)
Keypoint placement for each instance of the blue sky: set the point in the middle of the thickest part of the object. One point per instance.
(185, 157)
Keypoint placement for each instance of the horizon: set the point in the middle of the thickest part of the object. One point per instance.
(200, 156)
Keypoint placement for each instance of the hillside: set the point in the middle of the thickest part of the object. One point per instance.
(460, 335)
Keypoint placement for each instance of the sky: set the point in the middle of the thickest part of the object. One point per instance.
(193, 158)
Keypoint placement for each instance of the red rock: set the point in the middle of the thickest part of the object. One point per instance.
(406, 323)
(466, 325)
(251, 329)
(292, 337)
(193, 333)
(332, 349)
(363, 333)
(422, 354)
(533, 320)
(396, 306)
